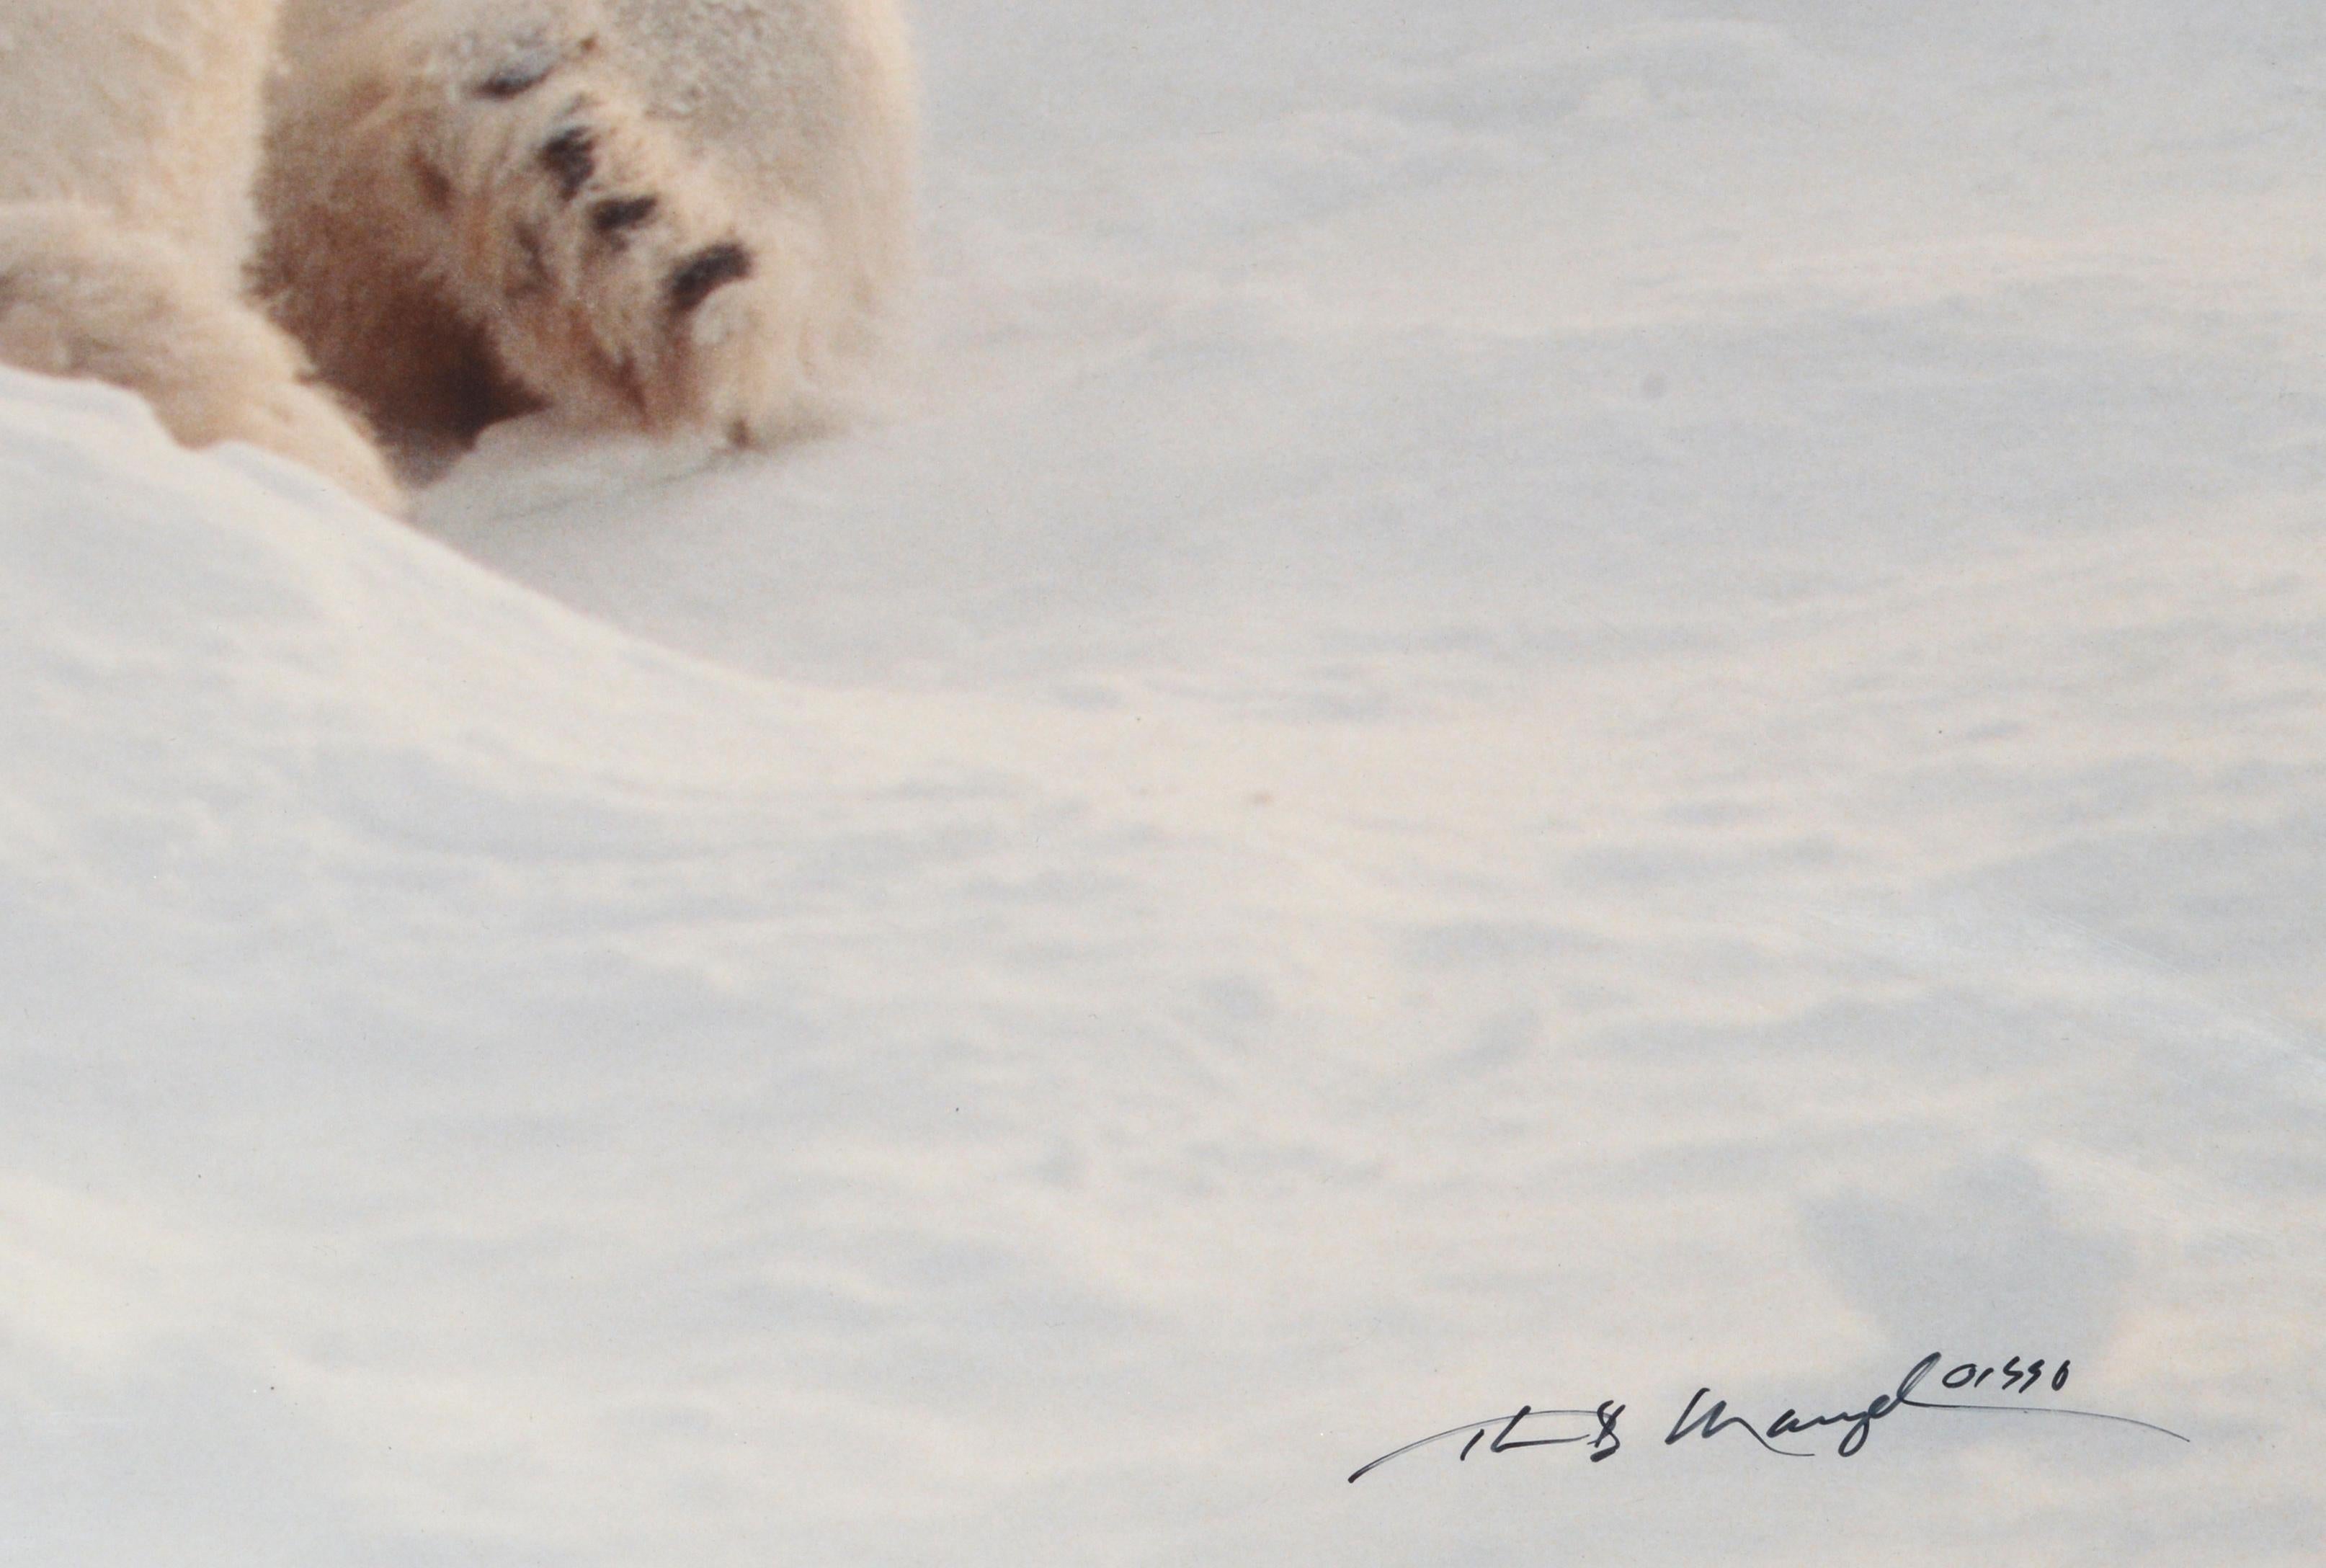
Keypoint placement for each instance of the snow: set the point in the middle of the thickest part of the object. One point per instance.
(1520, 708)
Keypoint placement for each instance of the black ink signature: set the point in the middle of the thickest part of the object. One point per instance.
(1707, 1421)
(1603, 1445)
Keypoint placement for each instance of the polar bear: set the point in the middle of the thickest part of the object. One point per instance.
(662, 214)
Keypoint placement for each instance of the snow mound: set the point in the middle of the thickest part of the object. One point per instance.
(1539, 704)
(481, 1087)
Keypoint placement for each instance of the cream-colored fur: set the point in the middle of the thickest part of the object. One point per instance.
(130, 135)
(82, 294)
(660, 213)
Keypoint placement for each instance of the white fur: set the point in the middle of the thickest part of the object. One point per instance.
(146, 108)
(662, 214)
(130, 134)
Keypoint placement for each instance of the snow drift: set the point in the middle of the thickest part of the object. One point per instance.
(1481, 745)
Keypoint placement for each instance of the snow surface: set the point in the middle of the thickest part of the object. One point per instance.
(1523, 708)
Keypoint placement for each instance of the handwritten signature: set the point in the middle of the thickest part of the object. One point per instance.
(1706, 1422)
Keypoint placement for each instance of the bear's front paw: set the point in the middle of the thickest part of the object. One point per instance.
(611, 273)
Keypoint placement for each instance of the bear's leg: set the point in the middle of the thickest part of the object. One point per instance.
(149, 109)
(495, 161)
(82, 296)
